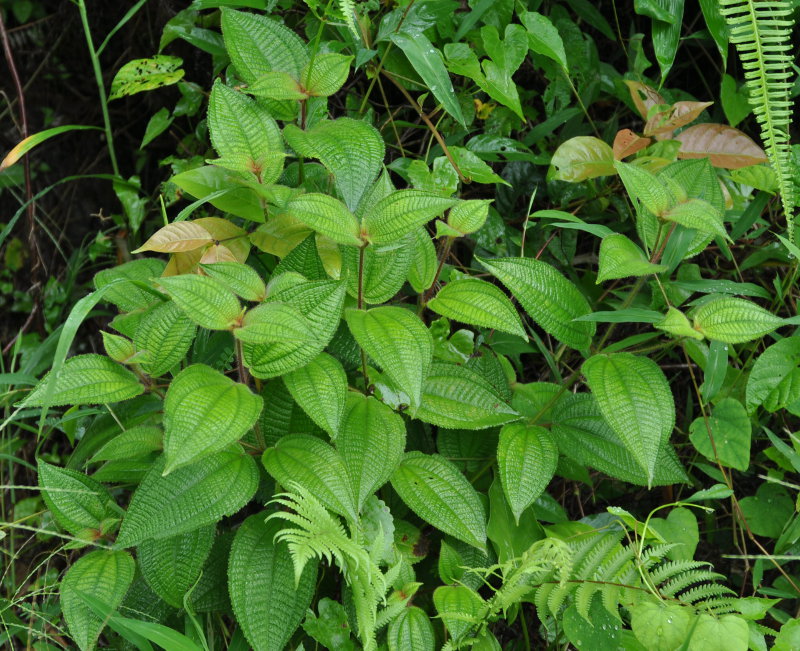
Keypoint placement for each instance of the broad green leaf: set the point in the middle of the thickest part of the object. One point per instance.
(645, 186)
(274, 322)
(385, 270)
(769, 511)
(526, 461)
(240, 278)
(163, 337)
(411, 630)
(352, 150)
(223, 190)
(280, 86)
(621, 258)
(581, 158)
(106, 575)
(774, 380)
(399, 343)
(146, 74)
(268, 605)
(543, 38)
(679, 527)
(477, 302)
(86, 380)
(725, 633)
(789, 636)
(317, 467)
(759, 177)
(137, 441)
(326, 215)
(158, 123)
(128, 296)
(506, 57)
(371, 443)
(677, 324)
(204, 300)
(635, 399)
(188, 498)
(699, 215)
(171, 566)
(436, 491)
(205, 411)
(730, 427)
(459, 607)
(734, 320)
(77, 503)
(473, 169)
(550, 299)
(591, 626)
(660, 626)
(427, 60)
(468, 216)
(175, 237)
(510, 539)
(320, 388)
(117, 348)
(457, 397)
(402, 212)
(326, 74)
(667, 36)
(422, 270)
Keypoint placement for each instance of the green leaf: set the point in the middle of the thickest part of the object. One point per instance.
(385, 270)
(731, 429)
(422, 270)
(268, 605)
(189, 497)
(27, 144)
(103, 574)
(645, 187)
(352, 150)
(371, 443)
(402, 212)
(660, 626)
(457, 397)
(468, 216)
(326, 215)
(635, 399)
(280, 86)
(596, 628)
(326, 74)
(621, 258)
(667, 35)
(270, 323)
(550, 299)
(129, 296)
(158, 123)
(476, 302)
(774, 380)
(399, 343)
(676, 324)
(699, 215)
(204, 300)
(77, 503)
(163, 337)
(146, 74)
(526, 461)
(726, 633)
(317, 467)
(427, 60)
(223, 190)
(411, 630)
(436, 491)
(543, 38)
(117, 348)
(241, 279)
(171, 566)
(734, 320)
(581, 158)
(460, 608)
(506, 58)
(86, 380)
(320, 388)
(137, 441)
(768, 511)
(205, 411)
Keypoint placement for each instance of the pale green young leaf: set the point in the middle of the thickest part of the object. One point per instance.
(326, 215)
(86, 380)
(526, 461)
(581, 158)
(677, 324)
(734, 320)
(411, 630)
(699, 215)
(190, 497)
(550, 299)
(240, 278)
(436, 491)
(120, 349)
(326, 74)
(774, 380)
(204, 300)
(171, 566)
(274, 322)
(477, 302)
(317, 467)
(543, 38)
(730, 429)
(268, 605)
(399, 343)
(402, 212)
(635, 399)
(460, 608)
(146, 74)
(458, 398)
(468, 216)
(105, 574)
(422, 270)
(645, 187)
(137, 441)
(320, 388)
(163, 337)
(205, 411)
(176, 237)
(621, 258)
(371, 443)
(660, 626)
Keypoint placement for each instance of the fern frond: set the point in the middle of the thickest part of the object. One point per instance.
(348, 9)
(761, 31)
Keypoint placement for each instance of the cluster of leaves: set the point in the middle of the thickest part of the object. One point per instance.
(289, 441)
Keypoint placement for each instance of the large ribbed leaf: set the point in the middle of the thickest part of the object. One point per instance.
(645, 186)
(402, 212)
(351, 149)
(424, 262)
(437, 492)
(385, 270)
(86, 380)
(476, 302)
(326, 215)
(526, 460)
(326, 74)
(274, 322)
(172, 565)
(734, 320)
(620, 258)
(268, 605)
(164, 335)
(78, 503)
(105, 575)
(320, 388)
(699, 215)
(550, 299)
(190, 497)
(127, 296)
(205, 411)
(457, 397)
(241, 279)
(371, 444)
(411, 630)
(399, 343)
(635, 399)
(204, 300)
(774, 380)
(134, 442)
(316, 466)
(459, 607)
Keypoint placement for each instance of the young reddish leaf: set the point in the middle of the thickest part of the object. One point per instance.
(724, 146)
(627, 143)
